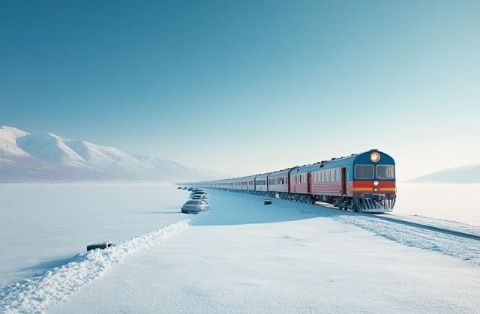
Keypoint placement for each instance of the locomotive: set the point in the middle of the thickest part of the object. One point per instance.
(362, 182)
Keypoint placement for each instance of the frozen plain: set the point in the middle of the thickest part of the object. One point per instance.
(244, 257)
(46, 225)
(289, 257)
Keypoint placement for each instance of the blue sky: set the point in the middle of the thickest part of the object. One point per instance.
(248, 86)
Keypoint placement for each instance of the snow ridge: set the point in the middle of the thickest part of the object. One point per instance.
(39, 293)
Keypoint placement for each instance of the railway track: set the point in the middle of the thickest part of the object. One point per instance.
(399, 220)
(404, 221)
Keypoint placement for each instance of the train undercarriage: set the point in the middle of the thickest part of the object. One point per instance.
(372, 203)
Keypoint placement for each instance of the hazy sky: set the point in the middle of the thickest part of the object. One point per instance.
(249, 86)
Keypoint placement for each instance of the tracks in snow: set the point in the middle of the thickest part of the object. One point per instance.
(444, 230)
(37, 294)
(432, 238)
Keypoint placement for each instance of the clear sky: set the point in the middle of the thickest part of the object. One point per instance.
(248, 86)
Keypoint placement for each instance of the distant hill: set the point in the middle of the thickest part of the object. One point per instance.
(26, 157)
(464, 174)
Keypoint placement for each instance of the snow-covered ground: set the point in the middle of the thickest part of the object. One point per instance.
(44, 225)
(242, 256)
(455, 202)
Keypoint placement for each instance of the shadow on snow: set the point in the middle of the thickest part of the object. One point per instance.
(236, 208)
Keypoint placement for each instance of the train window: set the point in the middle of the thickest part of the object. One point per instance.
(337, 173)
(385, 172)
(363, 171)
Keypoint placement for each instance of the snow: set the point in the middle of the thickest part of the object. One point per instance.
(242, 256)
(26, 157)
(463, 174)
(449, 244)
(49, 148)
(44, 225)
(454, 202)
(38, 293)
(102, 155)
(8, 139)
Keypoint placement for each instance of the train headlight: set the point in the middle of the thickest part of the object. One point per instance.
(375, 183)
(375, 156)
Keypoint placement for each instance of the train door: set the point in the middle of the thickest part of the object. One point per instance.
(309, 183)
(344, 181)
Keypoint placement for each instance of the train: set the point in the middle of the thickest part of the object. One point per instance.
(363, 182)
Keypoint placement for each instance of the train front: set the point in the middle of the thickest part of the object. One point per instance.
(374, 188)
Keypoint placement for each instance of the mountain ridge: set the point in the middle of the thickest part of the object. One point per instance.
(461, 174)
(26, 157)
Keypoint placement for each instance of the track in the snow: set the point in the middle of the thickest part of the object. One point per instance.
(399, 220)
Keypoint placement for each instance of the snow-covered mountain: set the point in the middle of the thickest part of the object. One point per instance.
(464, 174)
(26, 157)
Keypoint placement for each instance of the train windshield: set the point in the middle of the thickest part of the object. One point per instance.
(385, 171)
(363, 172)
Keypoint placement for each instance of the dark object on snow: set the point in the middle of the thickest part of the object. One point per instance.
(102, 246)
(267, 202)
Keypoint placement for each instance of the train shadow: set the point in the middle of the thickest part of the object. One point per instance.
(235, 208)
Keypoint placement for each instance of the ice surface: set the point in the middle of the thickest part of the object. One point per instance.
(44, 225)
